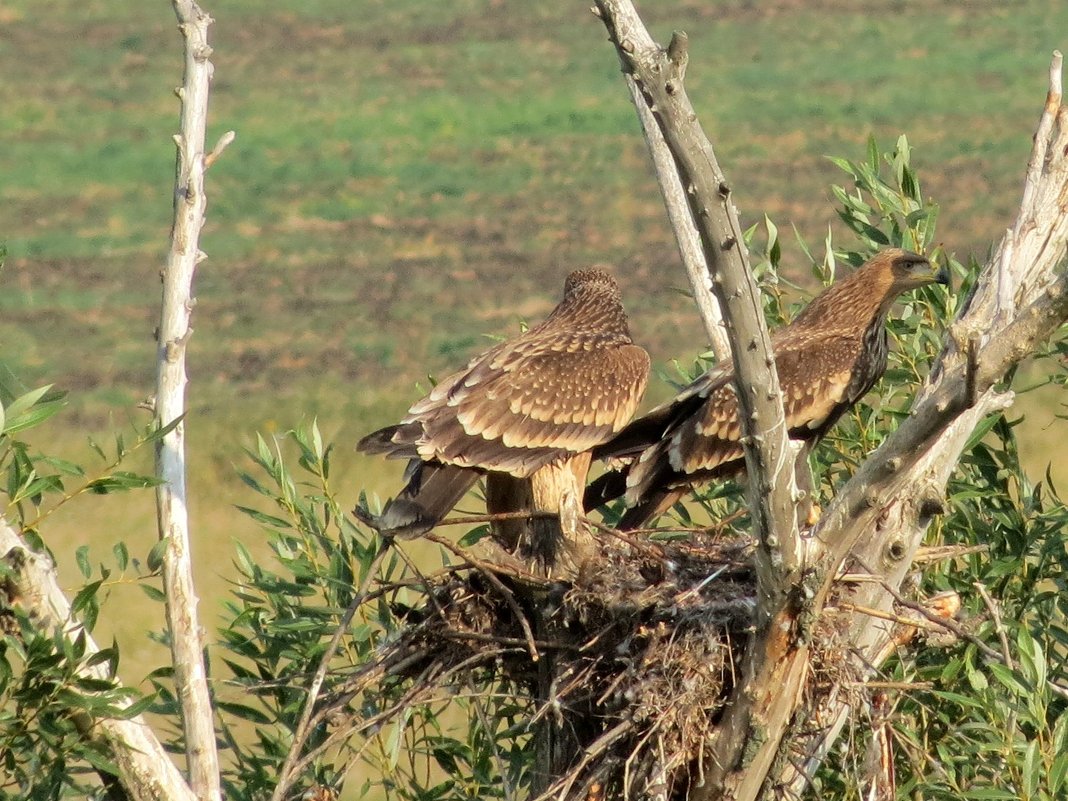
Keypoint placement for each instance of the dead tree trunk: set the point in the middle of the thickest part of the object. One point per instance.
(878, 520)
(190, 675)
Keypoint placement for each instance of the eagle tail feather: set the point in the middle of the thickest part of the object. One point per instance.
(396, 441)
(431, 493)
(649, 507)
(604, 489)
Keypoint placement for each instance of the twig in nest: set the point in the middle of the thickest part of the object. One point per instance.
(488, 571)
(420, 580)
(599, 747)
(439, 610)
(715, 528)
(906, 686)
(627, 538)
(938, 553)
(544, 645)
(696, 590)
(489, 518)
(911, 622)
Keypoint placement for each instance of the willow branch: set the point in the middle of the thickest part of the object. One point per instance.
(145, 770)
(290, 770)
(187, 646)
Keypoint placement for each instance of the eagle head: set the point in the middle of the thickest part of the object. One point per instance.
(909, 270)
(595, 280)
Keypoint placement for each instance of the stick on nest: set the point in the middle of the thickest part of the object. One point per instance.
(626, 665)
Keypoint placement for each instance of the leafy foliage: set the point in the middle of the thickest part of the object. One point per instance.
(989, 728)
(986, 729)
(281, 621)
(52, 683)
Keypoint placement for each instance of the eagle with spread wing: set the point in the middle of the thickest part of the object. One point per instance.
(533, 403)
(827, 359)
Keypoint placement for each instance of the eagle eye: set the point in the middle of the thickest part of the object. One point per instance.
(913, 261)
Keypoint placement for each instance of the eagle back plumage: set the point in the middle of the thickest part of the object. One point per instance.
(562, 387)
(827, 359)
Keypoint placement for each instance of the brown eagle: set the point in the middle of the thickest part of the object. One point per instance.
(827, 359)
(530, 404)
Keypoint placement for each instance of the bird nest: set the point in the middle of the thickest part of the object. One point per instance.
(624, 668)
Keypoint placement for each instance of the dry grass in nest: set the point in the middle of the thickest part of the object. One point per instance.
(629, 663)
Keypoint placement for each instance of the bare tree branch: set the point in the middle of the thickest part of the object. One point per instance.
(686, 235)
(146, 772)
(659, 74)
(884, 511)
(174, 332)
(774, 670)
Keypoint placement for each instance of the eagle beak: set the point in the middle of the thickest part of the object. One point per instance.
(941, 275)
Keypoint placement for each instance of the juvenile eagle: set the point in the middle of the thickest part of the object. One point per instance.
(827, 359)
(534, 403)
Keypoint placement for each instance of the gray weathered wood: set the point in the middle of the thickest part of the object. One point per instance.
(174, 331)
(880, 516)
(682, 224)
(145, 770)
(659, 75)
(754, 712)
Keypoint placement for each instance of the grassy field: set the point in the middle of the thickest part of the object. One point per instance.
(409, 177)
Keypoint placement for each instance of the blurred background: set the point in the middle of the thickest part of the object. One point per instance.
(412, 177)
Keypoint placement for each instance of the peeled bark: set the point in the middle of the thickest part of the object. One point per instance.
(187, 646)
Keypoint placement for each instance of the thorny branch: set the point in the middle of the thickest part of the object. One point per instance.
(659, 74)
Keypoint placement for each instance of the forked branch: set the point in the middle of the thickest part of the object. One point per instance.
(659, 74)
(881, 515)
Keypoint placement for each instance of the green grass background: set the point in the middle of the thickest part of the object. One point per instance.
(410, 177)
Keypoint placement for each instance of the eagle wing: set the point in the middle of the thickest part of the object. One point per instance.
(827, 359)
(818, 377)
(523, 405)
